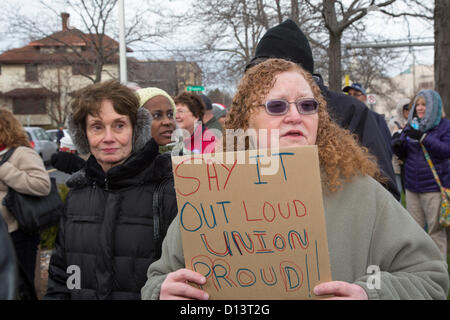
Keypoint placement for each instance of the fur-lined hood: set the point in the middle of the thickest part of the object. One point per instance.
(141, 132)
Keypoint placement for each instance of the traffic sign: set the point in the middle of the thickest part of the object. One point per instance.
(371, 98)
(195, 88)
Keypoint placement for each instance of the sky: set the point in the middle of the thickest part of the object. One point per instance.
(377, 24)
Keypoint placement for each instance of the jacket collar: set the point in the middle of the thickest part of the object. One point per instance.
(145, 165)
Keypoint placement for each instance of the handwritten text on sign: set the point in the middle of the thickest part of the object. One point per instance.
(254, 236)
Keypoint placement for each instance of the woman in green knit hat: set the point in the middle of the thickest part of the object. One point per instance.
(162, 108)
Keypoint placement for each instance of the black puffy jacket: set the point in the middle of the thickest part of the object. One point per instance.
(113, 227)
(350, 113)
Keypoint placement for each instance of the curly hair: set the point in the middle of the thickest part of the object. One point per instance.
(12, 133)
(341, 157)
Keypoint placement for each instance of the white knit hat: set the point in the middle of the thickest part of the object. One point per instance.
(146, 94)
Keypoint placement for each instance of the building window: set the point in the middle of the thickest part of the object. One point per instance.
(82, 68)
(32, 105)
(31, 72)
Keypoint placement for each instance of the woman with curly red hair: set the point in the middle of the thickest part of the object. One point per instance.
(24, 172)
(362, 218)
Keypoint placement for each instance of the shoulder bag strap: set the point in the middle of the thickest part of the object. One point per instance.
(433, 169)
(7, 155)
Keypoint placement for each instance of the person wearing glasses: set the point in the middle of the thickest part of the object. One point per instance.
(362, 218)
(197, 138)
(287, 41)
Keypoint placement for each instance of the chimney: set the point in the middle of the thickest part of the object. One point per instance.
(65, 21)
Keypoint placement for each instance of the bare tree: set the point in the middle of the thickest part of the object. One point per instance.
(338, 17)
(59, 105)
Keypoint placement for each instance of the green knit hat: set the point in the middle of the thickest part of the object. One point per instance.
(146, 94)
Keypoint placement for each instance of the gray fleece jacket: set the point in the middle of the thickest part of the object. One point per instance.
(366, 226)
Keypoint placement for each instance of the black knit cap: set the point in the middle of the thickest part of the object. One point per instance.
(206, 101)
(285, 41)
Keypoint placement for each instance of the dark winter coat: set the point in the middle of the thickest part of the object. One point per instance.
(418, 175)
(113, 227)
(350, 113)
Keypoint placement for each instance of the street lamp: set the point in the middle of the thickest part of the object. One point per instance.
(122, 47)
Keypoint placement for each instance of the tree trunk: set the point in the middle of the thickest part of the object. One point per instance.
(98, 72)
(279, 14)
(442, 52)
(294, 11)
(334, 60)
(334, 49)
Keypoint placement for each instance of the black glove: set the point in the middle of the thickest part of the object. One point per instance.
(413, 133)
(67, 162)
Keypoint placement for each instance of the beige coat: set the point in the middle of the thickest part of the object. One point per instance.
(24, 172)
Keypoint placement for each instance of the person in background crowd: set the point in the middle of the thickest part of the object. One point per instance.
(59, 136)
(398, 122)
(362, 218)
(119, 205)
(423, 196)
(209, 119)
(396, 125)
(24, 172)
(287, 41)
(8, 268)
(220, 113)
(358, 91)
(162, 109)
(190, 110)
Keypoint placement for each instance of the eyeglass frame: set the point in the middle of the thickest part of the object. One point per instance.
(288, 105)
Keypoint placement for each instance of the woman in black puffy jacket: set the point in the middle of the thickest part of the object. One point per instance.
(120, 204)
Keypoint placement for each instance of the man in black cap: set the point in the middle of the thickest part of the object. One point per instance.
(287, 41)
(358, 91)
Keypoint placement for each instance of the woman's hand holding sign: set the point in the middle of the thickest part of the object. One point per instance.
(341, 291)
(176, 286)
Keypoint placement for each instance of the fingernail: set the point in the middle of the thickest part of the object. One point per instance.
(205, 296)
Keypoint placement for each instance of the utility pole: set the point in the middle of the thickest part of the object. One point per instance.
(122, 47)
(395, 44)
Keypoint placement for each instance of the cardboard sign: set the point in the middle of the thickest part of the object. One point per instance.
(254, 235)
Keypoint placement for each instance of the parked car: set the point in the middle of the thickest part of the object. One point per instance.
(66, 142)
(42, 142)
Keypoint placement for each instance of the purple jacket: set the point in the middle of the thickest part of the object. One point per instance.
(418, 175)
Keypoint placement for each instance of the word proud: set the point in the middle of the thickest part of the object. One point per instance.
(253, 236)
